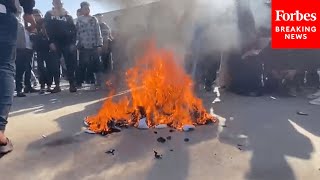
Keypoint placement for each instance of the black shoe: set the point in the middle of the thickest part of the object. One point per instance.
(73, 89)
(42, 91)
(21, 94)
(57, 89)
(30, 90)
(49, 89)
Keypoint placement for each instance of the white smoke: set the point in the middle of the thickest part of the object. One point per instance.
(173, 22)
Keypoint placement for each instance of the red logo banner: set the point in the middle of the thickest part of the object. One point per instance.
(295, 24)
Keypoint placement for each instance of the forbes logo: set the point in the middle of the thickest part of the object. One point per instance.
(281, 15)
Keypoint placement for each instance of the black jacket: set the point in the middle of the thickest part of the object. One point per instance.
(40, 39)
(27, 5)
(61, 30)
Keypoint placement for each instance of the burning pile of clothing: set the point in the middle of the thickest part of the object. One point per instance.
(162, 95)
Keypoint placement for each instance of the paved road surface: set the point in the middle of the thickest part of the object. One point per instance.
(276, 143)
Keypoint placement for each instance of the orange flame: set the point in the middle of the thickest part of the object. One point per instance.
(161, 91)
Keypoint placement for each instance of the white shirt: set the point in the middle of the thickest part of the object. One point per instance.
(28, 41)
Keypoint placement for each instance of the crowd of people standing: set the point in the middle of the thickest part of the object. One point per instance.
(26, 36)
(79, 49)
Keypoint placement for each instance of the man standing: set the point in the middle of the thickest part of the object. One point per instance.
(41, 47)
(8, 37)
(106, 55)
(62, 36)
(89, 43)
(23, 59)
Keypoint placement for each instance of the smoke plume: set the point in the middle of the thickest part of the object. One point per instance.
(173, 23)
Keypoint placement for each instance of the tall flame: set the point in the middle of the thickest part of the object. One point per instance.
(161, 92)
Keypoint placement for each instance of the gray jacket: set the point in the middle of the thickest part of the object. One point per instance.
(88, 32)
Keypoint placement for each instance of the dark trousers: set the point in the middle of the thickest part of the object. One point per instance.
(23, 67)
(43, 65)
(8, 37)
(107, 62)
(89, 63)
(207, 70)
(246, 74)
(70, 58)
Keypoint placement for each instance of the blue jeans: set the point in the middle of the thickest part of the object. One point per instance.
(8, 37)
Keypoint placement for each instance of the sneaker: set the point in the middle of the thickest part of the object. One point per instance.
(315, 101)
(315, 95)
(21, 94)
(73, 89)
(57, 89)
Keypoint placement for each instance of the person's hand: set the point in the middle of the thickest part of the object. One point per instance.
(53, 47)
(30, 29)
(30, 22)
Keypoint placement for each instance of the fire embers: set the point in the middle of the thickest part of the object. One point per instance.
(161, 94)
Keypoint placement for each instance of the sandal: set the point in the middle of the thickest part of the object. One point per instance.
(7, 148)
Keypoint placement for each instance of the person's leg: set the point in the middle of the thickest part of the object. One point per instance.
(71, 62)
(90, 77)
(8, 36)
(111, 63)
(7, 57)
(46, 61)
(236, 65)
(316, 96)
(54, 69)
(20, 70)
(96, 67)
(28, 72)
(106, 61)
(316, 64)
(292, 82)
(45, 55)
(63, 69)
(223, 78)
(34, 79)
(211, 67)
(41, 70)
(83, 64)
